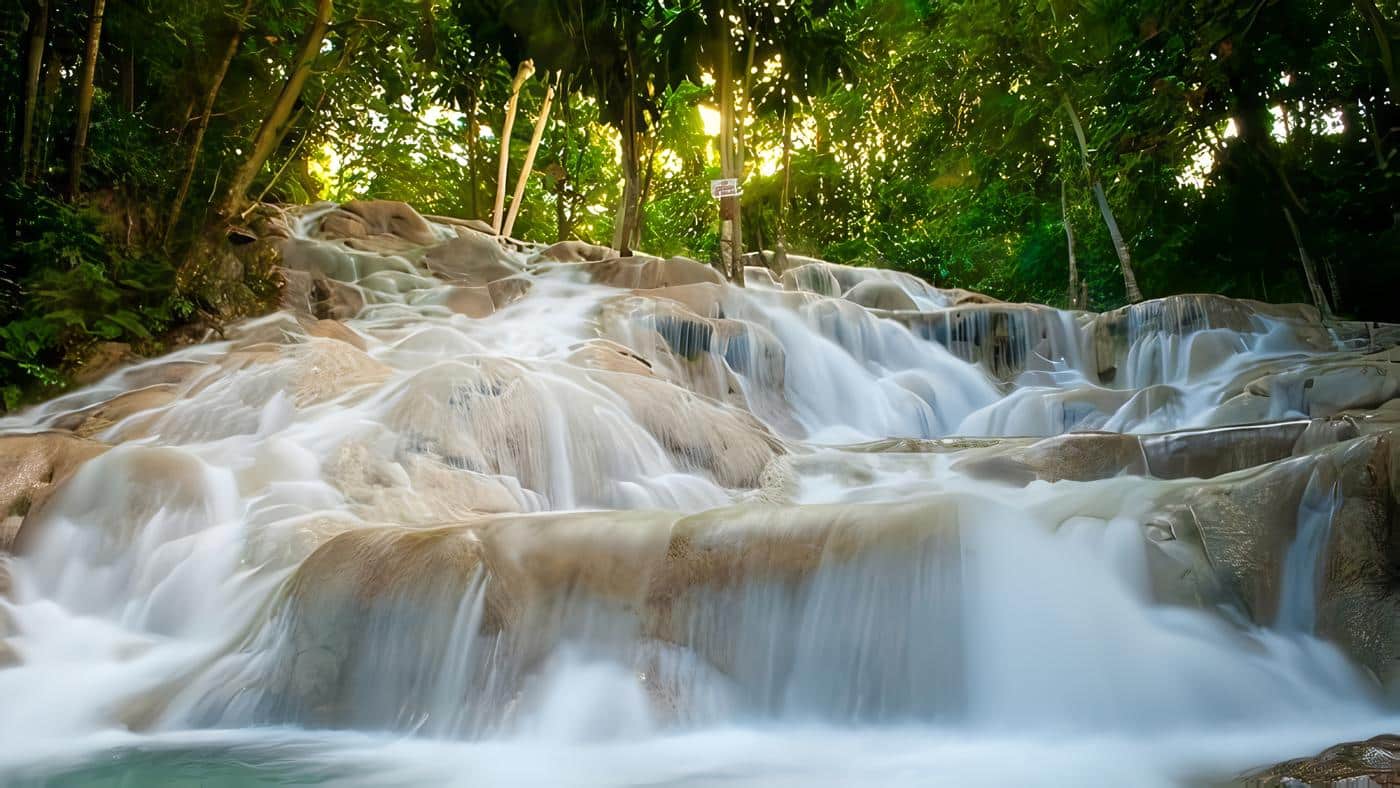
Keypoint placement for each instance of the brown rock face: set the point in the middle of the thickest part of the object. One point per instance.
(649, 273)
(31, 468)
(392, 218)
(1361, 764)
(875, 294)
(1248, 523)
(576, 252)
(90, 421)
(471, 259)
(104, 359)
(319, 296)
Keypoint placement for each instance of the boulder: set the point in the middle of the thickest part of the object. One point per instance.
(334, 329)
(1359, 764)
(92, 420)
(650, 273)
(104, 359)
(1005, 339)
(876, 294)
(575, 252)
(812, 278)
(1249, 522)
(328, 368)
(470, 259)
(319, 296)
(342, 224)
(32, 466)
(392, 218)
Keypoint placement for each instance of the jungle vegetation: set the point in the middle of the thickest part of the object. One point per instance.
(1080, 153)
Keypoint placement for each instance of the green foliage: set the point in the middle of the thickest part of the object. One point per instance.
(74, 289)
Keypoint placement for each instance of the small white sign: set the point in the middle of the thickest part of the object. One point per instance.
(725, 187)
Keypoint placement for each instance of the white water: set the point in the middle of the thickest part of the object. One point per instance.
(955, 631)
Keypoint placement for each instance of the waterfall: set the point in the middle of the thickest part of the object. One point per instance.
(518, 520)
(1301, 579)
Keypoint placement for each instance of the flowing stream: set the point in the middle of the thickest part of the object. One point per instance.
(695, 535)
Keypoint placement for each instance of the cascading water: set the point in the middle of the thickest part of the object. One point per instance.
(621, 525)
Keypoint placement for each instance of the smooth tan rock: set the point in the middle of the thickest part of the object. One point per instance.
(103, 360)
(90, 421)
(319, 296)
(32, 466)
(1248, 523)
(875, 294)
(649, 273)
(812, 278)
(327, 368)
(471, 259)
(334, 329)
(575, 252)
(392, 218)
(342, 224)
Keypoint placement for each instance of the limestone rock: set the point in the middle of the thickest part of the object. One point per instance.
(575, 252)
(875, 294)
(471, 259)
(32, 466)
(392, 218)
(649, 273)
(105, 358)
(1373, 762)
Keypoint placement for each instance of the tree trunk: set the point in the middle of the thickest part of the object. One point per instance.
(730, 243)
(1309, 270)
(1125, 261)
(34, 64)
(94, 38)
(39, 157)
(524, 177)
(780, 244)
(527, 68)
(1075, 291)
(740, 143)
(647, 173)
(473, 145)
(127, 81)
(275, 125)
(631, 190)
(206, 111)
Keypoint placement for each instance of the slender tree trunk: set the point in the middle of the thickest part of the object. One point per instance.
(741, 115)
(34, 64)
(1075, 292)
(296, 149)
(561, 210)
(524, 177)
(1125, 260)
(647, 173)
(473, 147)
(1309, 269)
(85, 86)
(729, 206)
(206, 112)
(522, 73)
(780, 244)
(127, 77)
(1332, 284)
(631, 190)
(39, 158)
(275, 125)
